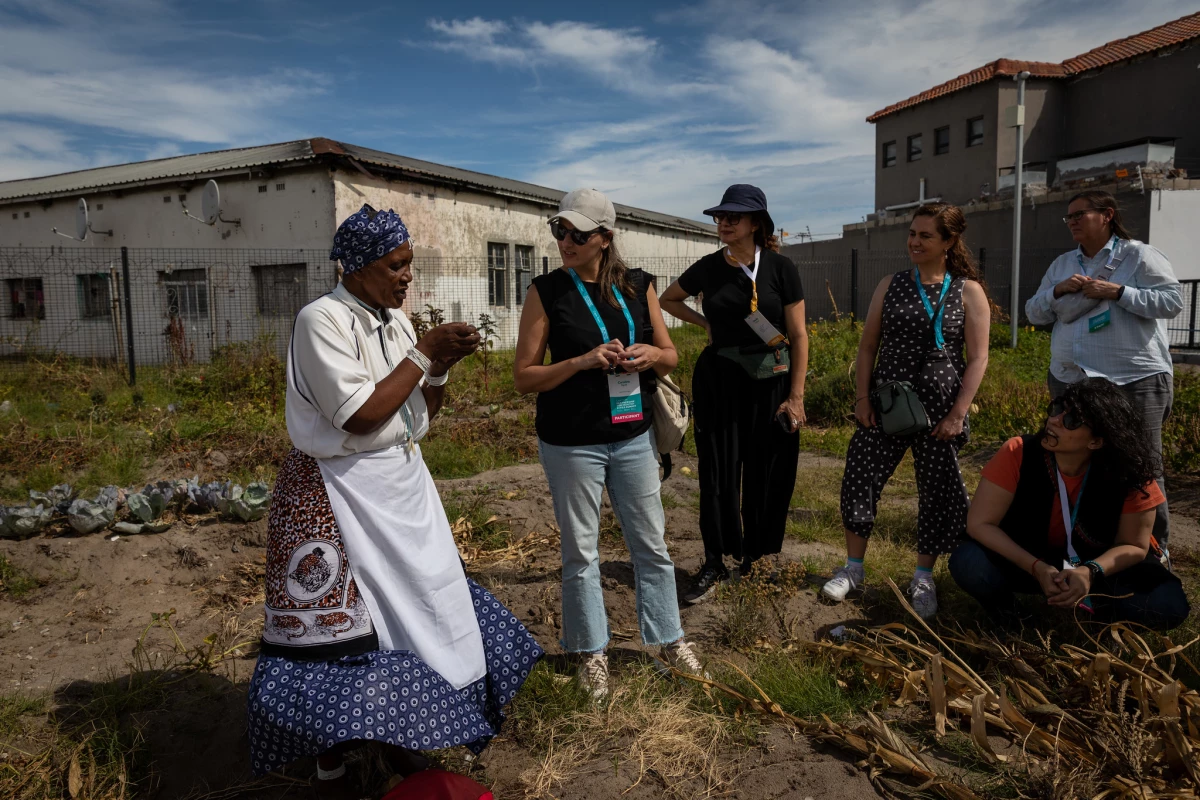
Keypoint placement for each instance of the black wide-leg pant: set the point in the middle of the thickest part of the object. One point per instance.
(747, 460)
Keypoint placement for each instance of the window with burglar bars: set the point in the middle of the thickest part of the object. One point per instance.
(27, 300)
(497, 274)
(187, 293)
(523, 269)
(95, 300)
(282, 289)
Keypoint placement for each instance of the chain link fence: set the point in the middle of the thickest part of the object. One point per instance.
(133, 306)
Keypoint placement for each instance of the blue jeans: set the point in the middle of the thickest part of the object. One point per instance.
(576, 475)
(1155, 597)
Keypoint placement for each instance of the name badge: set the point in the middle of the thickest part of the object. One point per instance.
(625, 396)
(1101, 320)
(765, 330)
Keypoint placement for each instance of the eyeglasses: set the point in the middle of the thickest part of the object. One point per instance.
(1071, 418)
(558, 231)
(731, 217)
(1078, 215)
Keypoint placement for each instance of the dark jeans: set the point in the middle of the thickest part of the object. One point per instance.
(1152, 396)
(1156, 600)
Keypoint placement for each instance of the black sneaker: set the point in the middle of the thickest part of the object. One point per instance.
(705, 584)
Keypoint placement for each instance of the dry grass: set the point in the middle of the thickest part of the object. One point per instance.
(656, 731)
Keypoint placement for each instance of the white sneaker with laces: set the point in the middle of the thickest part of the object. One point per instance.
(682, 657)
(593, 675)
(844, 581)
(924, 597)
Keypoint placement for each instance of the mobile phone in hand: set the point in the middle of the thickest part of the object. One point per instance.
(784, 421)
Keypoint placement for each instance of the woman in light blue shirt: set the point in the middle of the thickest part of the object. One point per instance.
(1109, 301)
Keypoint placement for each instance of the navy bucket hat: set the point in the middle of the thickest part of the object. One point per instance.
(742, 198)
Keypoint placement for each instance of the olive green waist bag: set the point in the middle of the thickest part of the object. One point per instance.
(759, 361)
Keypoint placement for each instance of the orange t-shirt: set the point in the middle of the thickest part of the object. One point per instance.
(1004, 470)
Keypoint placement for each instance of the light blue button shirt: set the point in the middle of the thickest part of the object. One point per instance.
(1134, 345)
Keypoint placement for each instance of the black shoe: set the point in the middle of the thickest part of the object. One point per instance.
(705, 584)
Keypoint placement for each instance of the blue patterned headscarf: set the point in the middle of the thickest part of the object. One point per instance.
(365, 236)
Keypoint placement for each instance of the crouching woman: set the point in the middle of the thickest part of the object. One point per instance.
(1068, 513)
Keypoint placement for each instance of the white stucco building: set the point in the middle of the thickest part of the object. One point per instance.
(479, 240)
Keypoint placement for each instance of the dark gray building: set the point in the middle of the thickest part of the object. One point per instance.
(954, 138)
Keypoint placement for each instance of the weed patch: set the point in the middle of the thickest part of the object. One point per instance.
(14, 581)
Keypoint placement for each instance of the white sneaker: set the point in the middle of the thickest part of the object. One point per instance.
(924, 597)
(844, 581)
(593, 675)
(682, 657)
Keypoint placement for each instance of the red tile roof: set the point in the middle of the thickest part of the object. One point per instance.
(1173, 33)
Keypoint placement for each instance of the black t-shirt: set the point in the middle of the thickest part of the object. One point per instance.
(577, 411)
(727, 292)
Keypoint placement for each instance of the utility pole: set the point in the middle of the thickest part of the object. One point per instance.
(1016, 119)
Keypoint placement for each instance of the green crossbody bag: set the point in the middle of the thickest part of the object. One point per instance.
(759, 361)
(899, 409)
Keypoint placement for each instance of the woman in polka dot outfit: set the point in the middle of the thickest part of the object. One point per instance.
(373, 631)
(918, 323)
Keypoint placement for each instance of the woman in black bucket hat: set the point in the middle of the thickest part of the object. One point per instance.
(748, 385)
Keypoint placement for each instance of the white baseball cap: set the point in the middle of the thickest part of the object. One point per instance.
(587, 209)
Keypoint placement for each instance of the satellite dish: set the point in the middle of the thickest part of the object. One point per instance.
(82, 224)
(210, 206)
(81, 220)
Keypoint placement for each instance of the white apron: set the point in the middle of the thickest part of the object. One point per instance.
(402, 553)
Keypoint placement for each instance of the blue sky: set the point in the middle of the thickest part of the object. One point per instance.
(661, 105)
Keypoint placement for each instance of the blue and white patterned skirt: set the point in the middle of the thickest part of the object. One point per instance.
(302, 708)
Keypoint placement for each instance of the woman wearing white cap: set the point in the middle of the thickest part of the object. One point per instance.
(607, 340)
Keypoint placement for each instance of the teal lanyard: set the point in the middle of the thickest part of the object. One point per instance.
(1074, 515)
(937, 320)
(596, 314)
(1112, 253)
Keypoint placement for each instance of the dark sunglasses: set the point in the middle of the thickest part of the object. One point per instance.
(558, 231)
(1071, 418)
(732, 217)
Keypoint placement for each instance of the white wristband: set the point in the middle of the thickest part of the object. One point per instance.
(420, 359)
(331, 774)
(431, 380)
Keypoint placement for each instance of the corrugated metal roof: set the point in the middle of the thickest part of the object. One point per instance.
(225, 161)
(1172, 33)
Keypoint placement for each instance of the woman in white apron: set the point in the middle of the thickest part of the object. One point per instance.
(373, 631)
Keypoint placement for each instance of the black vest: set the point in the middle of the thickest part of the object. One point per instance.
(1028, 519)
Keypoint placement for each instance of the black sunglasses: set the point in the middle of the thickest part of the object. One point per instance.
(732, 217)
(1071, 418)
(578, 237)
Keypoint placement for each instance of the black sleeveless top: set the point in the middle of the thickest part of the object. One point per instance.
(577, 411)
(1028, 519)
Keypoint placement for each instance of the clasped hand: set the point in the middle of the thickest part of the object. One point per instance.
(635, 358)
(1092, 288)
(448, 344)
(1063, 588)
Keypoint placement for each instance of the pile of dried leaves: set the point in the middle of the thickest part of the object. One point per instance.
(1108, 722)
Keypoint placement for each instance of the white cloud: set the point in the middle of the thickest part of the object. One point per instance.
(477, 38)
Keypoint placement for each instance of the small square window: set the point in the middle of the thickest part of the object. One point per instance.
(16, 216)
(417, 193)
(26, 215)
(99, 206)
(93, 292)
(941, 141)
(889, 154)
(26, 300)
(974, 131)
(167, 198)
(279, 187)
(914, 148)
(262, 190)
(431, 195)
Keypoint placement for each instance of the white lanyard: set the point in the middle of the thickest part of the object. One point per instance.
(1068, 515)
(753, 276)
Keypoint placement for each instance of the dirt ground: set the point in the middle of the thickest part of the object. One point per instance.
(100, 594)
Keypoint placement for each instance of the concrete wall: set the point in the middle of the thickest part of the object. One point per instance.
(955, 176)
(1045, 127)
(1173, 229)
(298, 216)
(1149, 97)
(453, 229)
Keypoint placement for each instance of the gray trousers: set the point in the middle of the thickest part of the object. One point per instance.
(1153, 397)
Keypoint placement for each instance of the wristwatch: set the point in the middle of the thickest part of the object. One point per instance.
(1095, 569)
(1121, 292)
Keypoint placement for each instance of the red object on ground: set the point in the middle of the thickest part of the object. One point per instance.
(436, 784)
